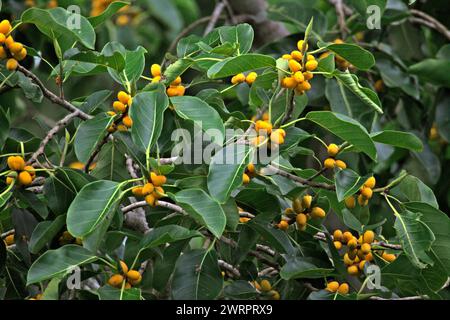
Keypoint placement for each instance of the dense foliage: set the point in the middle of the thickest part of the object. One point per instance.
(313, 166)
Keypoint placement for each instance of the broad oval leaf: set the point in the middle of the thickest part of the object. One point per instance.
(44, 232)
(167, 234)
(106, 14)
(110, 293)
(202, 114)
(345, 128)
(91, 205)
(226, 170)
(89, 134)
(399, 139)
(242, 34)
(357, 56)
(433, 70)
(302, 267)
(202, 208)
(234, 65)
(54, 263)
(347, 183)
(147, 113)
(197, 276)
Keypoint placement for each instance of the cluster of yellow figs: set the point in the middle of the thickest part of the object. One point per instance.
(67, 238)
(132, 277)
(266, 134)
(359, 250)
(50, 4)
(300, 75)
(331, 161)
(9, 239)
(240, 78)
(25, 174)
(175, 89)
(249, 173)
(334, 286)
(152, 190)
(365, 193)
(303, 210)
(340, 62)
(265, 287)
(121, 106)
(10, 49)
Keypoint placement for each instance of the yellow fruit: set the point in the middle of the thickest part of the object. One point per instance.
(347, 236)
(123, 267)
(9, 41)
(2, 38)
(366, 248)
(3, 54)
(265, 285)
(294, 66)
(133, 275)
(332, 286)
(304, 86)
(172, 91)
(318, 212)
(148, 188)
(338, 245)
(332, 149)
(265, 116)
(9, 240)
(245, 179)
(277, 137)
(5, 27)
(353, 270)
(122, 128)
(366, 192)
(176, 82)
(251, 77)
(352, 244)
(180, 90)
(311, 65)
(123, 97)
(343, 288)
(289, 82)
(369, 256)
(361, 265)
(150, 199)
(306, 201)
(9, 180)
(329, 163)
(274, 295)
(310, 57)
(368, 236)
(286, 56)
(301, 219)
(251, 168)
(308, 75)
(21, 54)
(283, 225)
(156, 79)
(370, 183)
(119, 106)
(16, 47)
(127, 285)
(338, 41)
(379, 86)
(16, 163)
(116, 280)
(112, 128)
(297, 55)
(341, 164)
(256, 285)
(360, 240)
(127, 121)
(158, 193)
(297, 205)
(299, 77)
(239, 78)
(350, 202)
(25, 178)
(337, 235)
(324, 55)
(389, 257)
(137, 191)
(362, 201)
(12, 64)
(157, 180)
(263, 127)
(347, 260)
(300, 45)
(155, 70)
(244, 219)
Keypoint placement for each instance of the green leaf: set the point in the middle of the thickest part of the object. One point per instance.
(415, 237)
(107, 13)
(167, 234)
(4, 127)
(435, 71)
(91, 205)
(439, 223)
(176, 69)
(234, 65)
(366, 95)
(110, 293)
(205, 116)
(202, 208)
(111, 164)
(347, 183)
(226, 170)
(95, 100)
(302, 268)
(44, 232)
(197, 276)
(134, 62)
(147, 114)
(277, 238)
(357, 56)
(54, 263)
(399, 139)
(89, 134)
(54, 23)
(413, 189)
(115, 61)
(345, 128)
(241, 34)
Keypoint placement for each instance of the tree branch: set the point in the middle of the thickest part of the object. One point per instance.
(430, 22)
(228, 267)
(214, 17)
(313, 184)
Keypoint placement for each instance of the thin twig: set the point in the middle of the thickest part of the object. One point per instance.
(214, 17)
(290, 108)
(430, 22)
(340, 11)
(228, 267)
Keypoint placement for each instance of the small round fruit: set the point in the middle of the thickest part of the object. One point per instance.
(352, 244)
(389, 257)
(311, 65)
(362, 201)
(300, 45)
(150, 199)
(332, 149)
(12, 64)
(133, 275)
(368, 236)
(265, 285)
(123, 267)
(366, 192)
(289, 82)
(301, 219)
(337, 235)
(343, 288)
(116, 280)
(123, 97)
(251, 77)
(296, 55)
(25, 178)
(157, 180)
(297, 205)
(318, 212)
(361, 264)
(294, 65)
(283, 225)
(137, 191)
(332, 286)
(306, 201)
(369, 257)
(155, 70)
(337, 245)
(329, 163)
(353, 270)
(347, 236)
(370, 182)
(245, 179)
(350, 202)
(119, 106)
(341, 164)
(239, 78)
(274, 295)
(366, 248)
(127, 121)
(347, 260)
